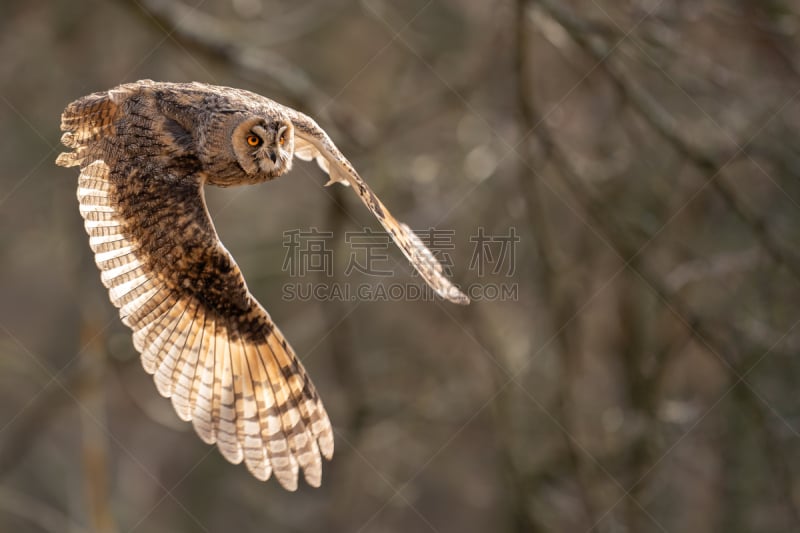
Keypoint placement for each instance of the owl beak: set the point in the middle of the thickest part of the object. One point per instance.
(273, 156)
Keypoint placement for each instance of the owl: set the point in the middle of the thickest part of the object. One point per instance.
(145, 151)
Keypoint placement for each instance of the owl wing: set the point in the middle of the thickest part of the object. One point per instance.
(311, 142)
(210, 346)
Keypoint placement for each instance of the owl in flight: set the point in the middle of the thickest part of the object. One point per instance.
(145, 151)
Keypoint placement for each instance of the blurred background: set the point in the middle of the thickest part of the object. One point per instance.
(618, 184)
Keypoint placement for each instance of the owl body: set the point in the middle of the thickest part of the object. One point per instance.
(164, 142)
(171, 124)
(145, 151)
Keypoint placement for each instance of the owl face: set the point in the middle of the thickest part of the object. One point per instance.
(263, 147)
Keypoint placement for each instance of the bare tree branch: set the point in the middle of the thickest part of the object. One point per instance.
(713, 166)
(257, 64)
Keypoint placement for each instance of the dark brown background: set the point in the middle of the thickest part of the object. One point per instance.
(646, 377)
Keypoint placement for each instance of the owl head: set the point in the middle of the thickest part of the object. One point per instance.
(244, 147)
(263, 147)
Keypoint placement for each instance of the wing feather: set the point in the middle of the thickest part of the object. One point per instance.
(161, 360)
(283, 463)
(216, 390)
(146, 319)
(180, 380)
(266, 412)
(311, 142)
(237, 358)
(135, 297)
(298, 415)
(202, 395)
(158, 342)
(224, 405)
(255, 454)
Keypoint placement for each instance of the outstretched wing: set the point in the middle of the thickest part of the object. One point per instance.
(311, 142)
(210, 346)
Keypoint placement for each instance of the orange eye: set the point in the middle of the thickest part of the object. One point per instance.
(282, 140)
(253, 140)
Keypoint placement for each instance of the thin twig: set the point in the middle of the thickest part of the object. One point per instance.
(36, 512)
(663, 123)
(258, 64)
(561, 304)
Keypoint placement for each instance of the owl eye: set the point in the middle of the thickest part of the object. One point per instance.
(253, 140)
(282, 134)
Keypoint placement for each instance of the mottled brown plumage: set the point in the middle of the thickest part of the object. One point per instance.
(145, 151)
